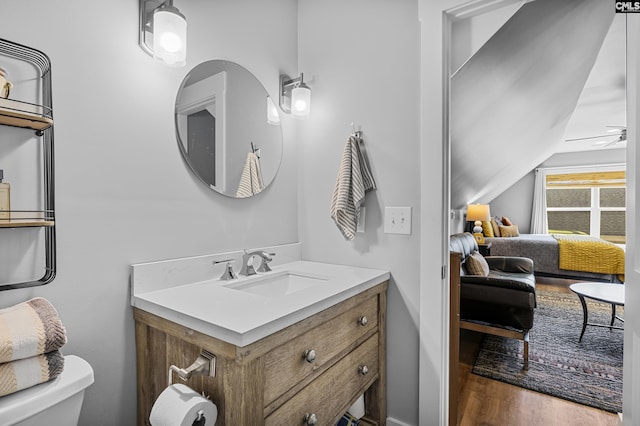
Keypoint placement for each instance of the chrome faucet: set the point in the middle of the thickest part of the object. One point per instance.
(228, 273)
(264, 264)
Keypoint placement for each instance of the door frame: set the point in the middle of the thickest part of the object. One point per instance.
(631, 368)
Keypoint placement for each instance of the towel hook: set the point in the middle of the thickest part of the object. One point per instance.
(255, 150)
(356, 133)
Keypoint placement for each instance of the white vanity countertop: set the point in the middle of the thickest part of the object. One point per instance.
(241, 317)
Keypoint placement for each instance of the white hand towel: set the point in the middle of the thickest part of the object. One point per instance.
(251, 179)
(353, 180)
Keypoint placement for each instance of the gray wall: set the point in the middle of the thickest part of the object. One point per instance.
(516, 202)
(123, 193)
(365, 70)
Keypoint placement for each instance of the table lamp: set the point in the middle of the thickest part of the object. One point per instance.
(478, 213)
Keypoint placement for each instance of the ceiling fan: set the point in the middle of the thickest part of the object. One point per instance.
(619, 133)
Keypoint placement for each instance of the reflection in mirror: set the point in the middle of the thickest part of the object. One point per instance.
(228, 129)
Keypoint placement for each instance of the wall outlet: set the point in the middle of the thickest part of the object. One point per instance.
(397, 220)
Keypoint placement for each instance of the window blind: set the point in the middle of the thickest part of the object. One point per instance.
(608, 179)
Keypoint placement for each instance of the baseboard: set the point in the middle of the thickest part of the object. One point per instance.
(393, 422)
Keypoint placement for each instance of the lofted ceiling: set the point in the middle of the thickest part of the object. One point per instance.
(529, 87)
(602, 102)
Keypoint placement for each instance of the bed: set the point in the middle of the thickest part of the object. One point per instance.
(565, 256)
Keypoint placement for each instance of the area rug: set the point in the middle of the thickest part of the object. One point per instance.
(587, 372)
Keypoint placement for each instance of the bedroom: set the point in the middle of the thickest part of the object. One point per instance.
(559, 137)
(578, 129)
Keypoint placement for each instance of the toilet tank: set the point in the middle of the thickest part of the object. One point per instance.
(57, 402)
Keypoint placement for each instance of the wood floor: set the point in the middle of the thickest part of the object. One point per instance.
(486, 402)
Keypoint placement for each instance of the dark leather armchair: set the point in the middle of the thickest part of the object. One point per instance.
(501, 303)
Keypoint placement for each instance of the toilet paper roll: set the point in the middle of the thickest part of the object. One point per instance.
(178, 405)
(357, 409)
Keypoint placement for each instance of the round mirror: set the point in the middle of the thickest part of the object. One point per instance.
(228, 129)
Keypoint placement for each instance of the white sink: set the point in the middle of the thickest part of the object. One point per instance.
(280, 284)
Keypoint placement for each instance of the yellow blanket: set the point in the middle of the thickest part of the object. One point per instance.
(589, 254)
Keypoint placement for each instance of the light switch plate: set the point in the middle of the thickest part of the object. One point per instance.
(397, 220)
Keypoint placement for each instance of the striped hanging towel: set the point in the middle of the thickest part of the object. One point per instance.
(353, 180)
(251, 179)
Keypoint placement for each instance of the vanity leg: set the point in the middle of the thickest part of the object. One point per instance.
(244, 402)
(141, 370)
(150, 348)
(375, 397)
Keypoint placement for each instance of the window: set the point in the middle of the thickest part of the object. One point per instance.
(591, 203)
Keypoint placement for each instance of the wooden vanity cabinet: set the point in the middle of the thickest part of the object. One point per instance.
(277, 380)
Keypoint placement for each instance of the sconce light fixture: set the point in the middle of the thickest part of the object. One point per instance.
(478, 213)
(295, 96)
(163, 32)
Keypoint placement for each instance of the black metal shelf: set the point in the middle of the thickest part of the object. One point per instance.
(16, 113)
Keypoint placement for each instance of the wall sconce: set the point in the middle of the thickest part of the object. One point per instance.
(163, 32)
(478, 213)
(295, 96)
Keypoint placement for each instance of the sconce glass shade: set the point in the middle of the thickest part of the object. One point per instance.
(169, 36)
(301, 101)
(272, 112)
(295, 96)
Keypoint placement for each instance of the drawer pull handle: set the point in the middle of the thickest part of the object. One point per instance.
(310, 419)
(309, 355)
(363, 320)
(363, 369)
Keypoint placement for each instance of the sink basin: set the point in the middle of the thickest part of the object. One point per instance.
(279, 284)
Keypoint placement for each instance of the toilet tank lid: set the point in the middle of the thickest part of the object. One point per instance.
(76, 377)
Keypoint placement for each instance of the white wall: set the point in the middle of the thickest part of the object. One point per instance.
(362, 60)
(123, 193)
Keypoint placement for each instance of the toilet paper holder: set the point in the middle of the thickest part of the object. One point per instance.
(204, 365)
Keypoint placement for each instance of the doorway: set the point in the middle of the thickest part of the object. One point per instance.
(437, 30)
(505, 100)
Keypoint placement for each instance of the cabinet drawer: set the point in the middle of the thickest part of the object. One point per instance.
(327, 395)
(286, 365)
